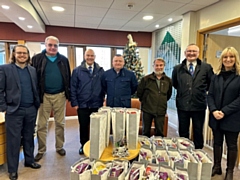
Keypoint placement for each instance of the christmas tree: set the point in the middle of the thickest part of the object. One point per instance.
(132, 59)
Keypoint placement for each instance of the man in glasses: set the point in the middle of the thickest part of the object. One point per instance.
(19, 100)
(191, 79)
(53, 72)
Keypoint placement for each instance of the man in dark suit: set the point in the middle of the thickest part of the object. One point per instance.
(191, 79)
(19, 99)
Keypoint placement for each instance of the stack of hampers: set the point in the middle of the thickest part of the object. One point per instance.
(176, 154)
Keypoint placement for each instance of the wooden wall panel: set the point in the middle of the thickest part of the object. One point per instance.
(218, 43)
(10, 31)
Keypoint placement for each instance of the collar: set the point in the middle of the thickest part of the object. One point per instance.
(87, 66)
(20, 66)
(194, 63)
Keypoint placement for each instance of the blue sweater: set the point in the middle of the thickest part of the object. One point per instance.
(26, 87)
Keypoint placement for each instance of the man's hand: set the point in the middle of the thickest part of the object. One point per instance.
(75, 107)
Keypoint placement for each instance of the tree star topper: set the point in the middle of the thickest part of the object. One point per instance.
(131, 42)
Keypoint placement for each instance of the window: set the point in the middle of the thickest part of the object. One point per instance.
(61, 49)
(120, 51)
(2, 53)
(79, 55)
(103, 56)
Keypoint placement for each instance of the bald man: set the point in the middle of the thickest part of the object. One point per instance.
(86, 93)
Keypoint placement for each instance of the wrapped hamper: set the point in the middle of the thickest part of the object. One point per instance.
(175, 158)
(191, 164)
(161, 156)
(132, 127)
(118, 170)
(81, 170)
(144, 140)
(97, 134)
(118, 127)
(108, 110)
(157, 141)
(101, 170)
(184, 143)
(170, 142)
(145, 155)
(136, 171)
(152, 171)
(205, 161)
(181, 173)
(167, 173)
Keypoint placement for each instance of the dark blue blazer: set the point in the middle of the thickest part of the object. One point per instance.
(10, 88)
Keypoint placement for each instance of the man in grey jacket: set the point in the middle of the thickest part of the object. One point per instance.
(191, 79)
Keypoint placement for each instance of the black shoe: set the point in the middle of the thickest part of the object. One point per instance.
(61, 152)
(13, 176)
(81, 151)
(33, 165)
(38, 157)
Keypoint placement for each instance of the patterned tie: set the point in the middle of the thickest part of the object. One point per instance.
(191, 70)
(90, 69)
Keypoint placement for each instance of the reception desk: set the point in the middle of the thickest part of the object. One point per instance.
(3, 158)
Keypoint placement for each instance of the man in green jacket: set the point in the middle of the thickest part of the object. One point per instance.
(154, 91)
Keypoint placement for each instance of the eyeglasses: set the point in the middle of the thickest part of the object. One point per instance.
(191, 51)
(54, 45)
(24, 53)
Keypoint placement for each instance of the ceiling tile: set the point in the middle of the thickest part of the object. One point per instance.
(88, 11)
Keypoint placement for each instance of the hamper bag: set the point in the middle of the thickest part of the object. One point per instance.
(118, 127)
(97, 134)
(100, 170)
(205, 164)
(136, 171)
(191, 164)
(81, 170)
(108, 110)
(118, 170)
(132, 127)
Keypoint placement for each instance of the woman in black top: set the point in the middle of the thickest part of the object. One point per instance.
(224, 106)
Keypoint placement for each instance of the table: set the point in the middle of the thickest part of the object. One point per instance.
(107, 153)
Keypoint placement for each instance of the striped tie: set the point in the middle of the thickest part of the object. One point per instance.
(90, 69)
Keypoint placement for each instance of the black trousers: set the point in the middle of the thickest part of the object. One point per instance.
(198, 118)
(231, 139)
(147, 123)
(20, 124)
(84, 122)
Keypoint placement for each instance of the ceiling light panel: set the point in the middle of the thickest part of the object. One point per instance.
(5, 7)
(58, 8)
(147, 18)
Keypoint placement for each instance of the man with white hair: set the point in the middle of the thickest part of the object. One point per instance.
(154, 91)
(53, 73)
(191, 79)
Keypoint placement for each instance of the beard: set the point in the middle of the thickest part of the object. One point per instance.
(158, 72)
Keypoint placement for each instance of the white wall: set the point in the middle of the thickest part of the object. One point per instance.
(220, 12)
(145, 55)
(34, 47)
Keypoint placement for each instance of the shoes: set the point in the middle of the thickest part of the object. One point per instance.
(61, 152)
(13, 176)
(81, 151)
(33, 165)
(38, 157)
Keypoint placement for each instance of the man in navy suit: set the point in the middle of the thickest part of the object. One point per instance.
(20, 101)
